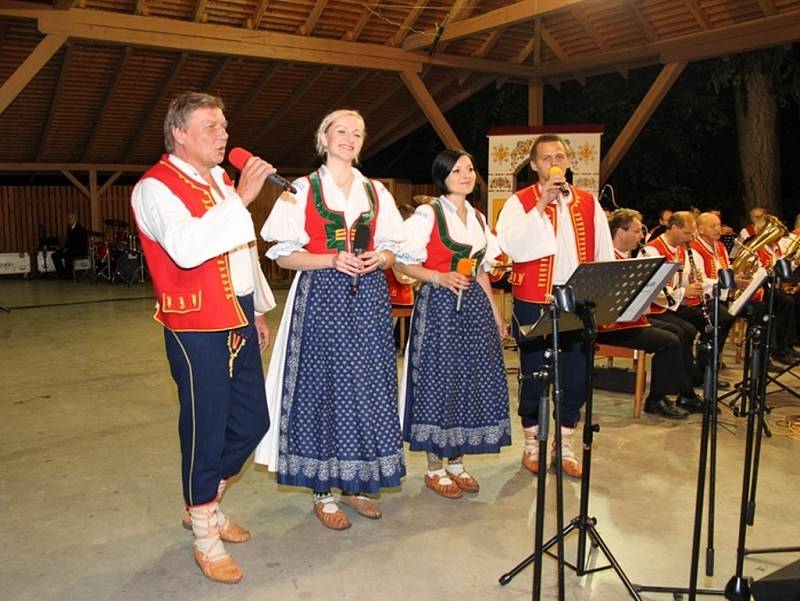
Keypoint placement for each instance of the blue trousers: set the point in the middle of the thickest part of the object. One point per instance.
(223, 403)
(572, 365)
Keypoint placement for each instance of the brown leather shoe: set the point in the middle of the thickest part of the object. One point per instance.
(530, 460)
(222, 569)
(449, 490)
(465, 481)
(364, 505)
(337, 520)
(230, 531)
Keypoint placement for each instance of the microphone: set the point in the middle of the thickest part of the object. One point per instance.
(360, 244)
(556, 171)
(238, 157)
(464, 267)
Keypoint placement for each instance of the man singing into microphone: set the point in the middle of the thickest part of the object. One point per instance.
(547, 230)
(199, 241)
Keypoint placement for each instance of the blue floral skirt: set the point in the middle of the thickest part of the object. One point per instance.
(339, 426)
(456, 389)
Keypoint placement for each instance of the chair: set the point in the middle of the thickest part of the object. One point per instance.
(739, 333)
(639, 358)
(82, 267)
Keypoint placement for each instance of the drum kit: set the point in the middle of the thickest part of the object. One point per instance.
(116, 255)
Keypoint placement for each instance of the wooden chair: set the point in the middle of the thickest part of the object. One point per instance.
(738, 335)
(639, 360)
(401, 312)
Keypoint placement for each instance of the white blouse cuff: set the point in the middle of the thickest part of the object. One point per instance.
(284, 249)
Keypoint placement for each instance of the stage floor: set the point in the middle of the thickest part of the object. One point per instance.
(91, 491)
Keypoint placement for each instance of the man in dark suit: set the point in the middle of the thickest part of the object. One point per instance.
(76, 245)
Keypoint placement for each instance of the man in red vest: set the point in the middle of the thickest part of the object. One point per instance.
(199, 241)
(664, 341)
(547, 230)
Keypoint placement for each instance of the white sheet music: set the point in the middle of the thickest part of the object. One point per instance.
(650, 290)
(758, 278)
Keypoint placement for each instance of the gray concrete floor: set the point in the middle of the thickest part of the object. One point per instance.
(91, 496)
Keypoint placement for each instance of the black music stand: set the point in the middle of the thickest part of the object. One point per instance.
(602, 293)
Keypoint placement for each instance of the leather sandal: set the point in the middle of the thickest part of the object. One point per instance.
(530, 460)
(465, 481)
(230, 532)
(364, 505)
(336, 520)
(449, 490)
(222, 569)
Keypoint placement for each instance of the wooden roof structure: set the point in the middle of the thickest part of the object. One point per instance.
(84, 84)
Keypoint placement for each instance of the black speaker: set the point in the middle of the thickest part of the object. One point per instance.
(781, 585)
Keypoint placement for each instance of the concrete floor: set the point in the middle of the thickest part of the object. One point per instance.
(91, 496)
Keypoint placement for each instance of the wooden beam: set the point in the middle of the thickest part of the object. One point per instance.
(60, 167)
(307, 28)
(150, 114)
(519, 12)
(537, 41)
(110, 91)
(114, 177)
(523, 53)
(767, 7)
(255, 21)
(353, 34)
(580, 16)
(83, 189)
(222, 64)
(556, 48)
(37, 59)
(648, 32)
(254, 92)
(62, 75)
(200, 11)
(408, 22)
(489, 43)
(535, 102)
(286, 106)
(141, 8)
(332, 104)
(698, 14)
(64, 4)
(639, 118)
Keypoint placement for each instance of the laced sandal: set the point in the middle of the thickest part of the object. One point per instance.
(444, 486)
(220, 569)
(229, 531)
(364, 505)
(465, 481)
(335, 520)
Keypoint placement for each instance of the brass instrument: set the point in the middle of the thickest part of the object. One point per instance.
(747, 261)
(791, 255)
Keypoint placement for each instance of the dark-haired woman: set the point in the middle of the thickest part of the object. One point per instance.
(332, 378)
(454, 395)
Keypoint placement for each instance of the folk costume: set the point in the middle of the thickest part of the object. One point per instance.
(332, 377)
(454, 394)
(545, 249)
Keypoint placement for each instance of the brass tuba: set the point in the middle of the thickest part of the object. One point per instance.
(747, 261)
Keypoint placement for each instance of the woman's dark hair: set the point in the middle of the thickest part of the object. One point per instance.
(442, 166)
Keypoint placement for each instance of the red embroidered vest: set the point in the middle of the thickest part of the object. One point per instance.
(679, 257)
(532, 281)
(327, 228)
(444, 253)
(199, 299)
(399, 294)
(710, 258)
(623, 325)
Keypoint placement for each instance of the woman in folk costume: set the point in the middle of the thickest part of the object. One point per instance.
(332, 378)
(454, 396)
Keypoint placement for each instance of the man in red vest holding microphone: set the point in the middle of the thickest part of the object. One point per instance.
(199, 241)
(547, 230)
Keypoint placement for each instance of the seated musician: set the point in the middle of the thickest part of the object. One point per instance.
(688, 289)
(663, 340)
(757, 216)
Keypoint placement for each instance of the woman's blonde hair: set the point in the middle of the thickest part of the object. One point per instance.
(328, 120)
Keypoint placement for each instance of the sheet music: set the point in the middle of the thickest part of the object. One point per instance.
(642, 301)
(758, 278)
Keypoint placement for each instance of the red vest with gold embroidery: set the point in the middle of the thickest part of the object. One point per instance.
(199, 299)
(327, 228)
(444, 253)
(623, 325)
(678, 257)
(532, 281)
(710, 259)
(399, 294)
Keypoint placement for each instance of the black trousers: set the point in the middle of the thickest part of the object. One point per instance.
(686, 332)
(665, 345)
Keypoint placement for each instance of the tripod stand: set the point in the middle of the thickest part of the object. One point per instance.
(614, 286)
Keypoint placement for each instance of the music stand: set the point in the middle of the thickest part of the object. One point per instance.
(603, 292)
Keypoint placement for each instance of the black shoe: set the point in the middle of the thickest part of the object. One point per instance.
(782, 357)
(692, 404)
(664, 408)
(723, 385)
